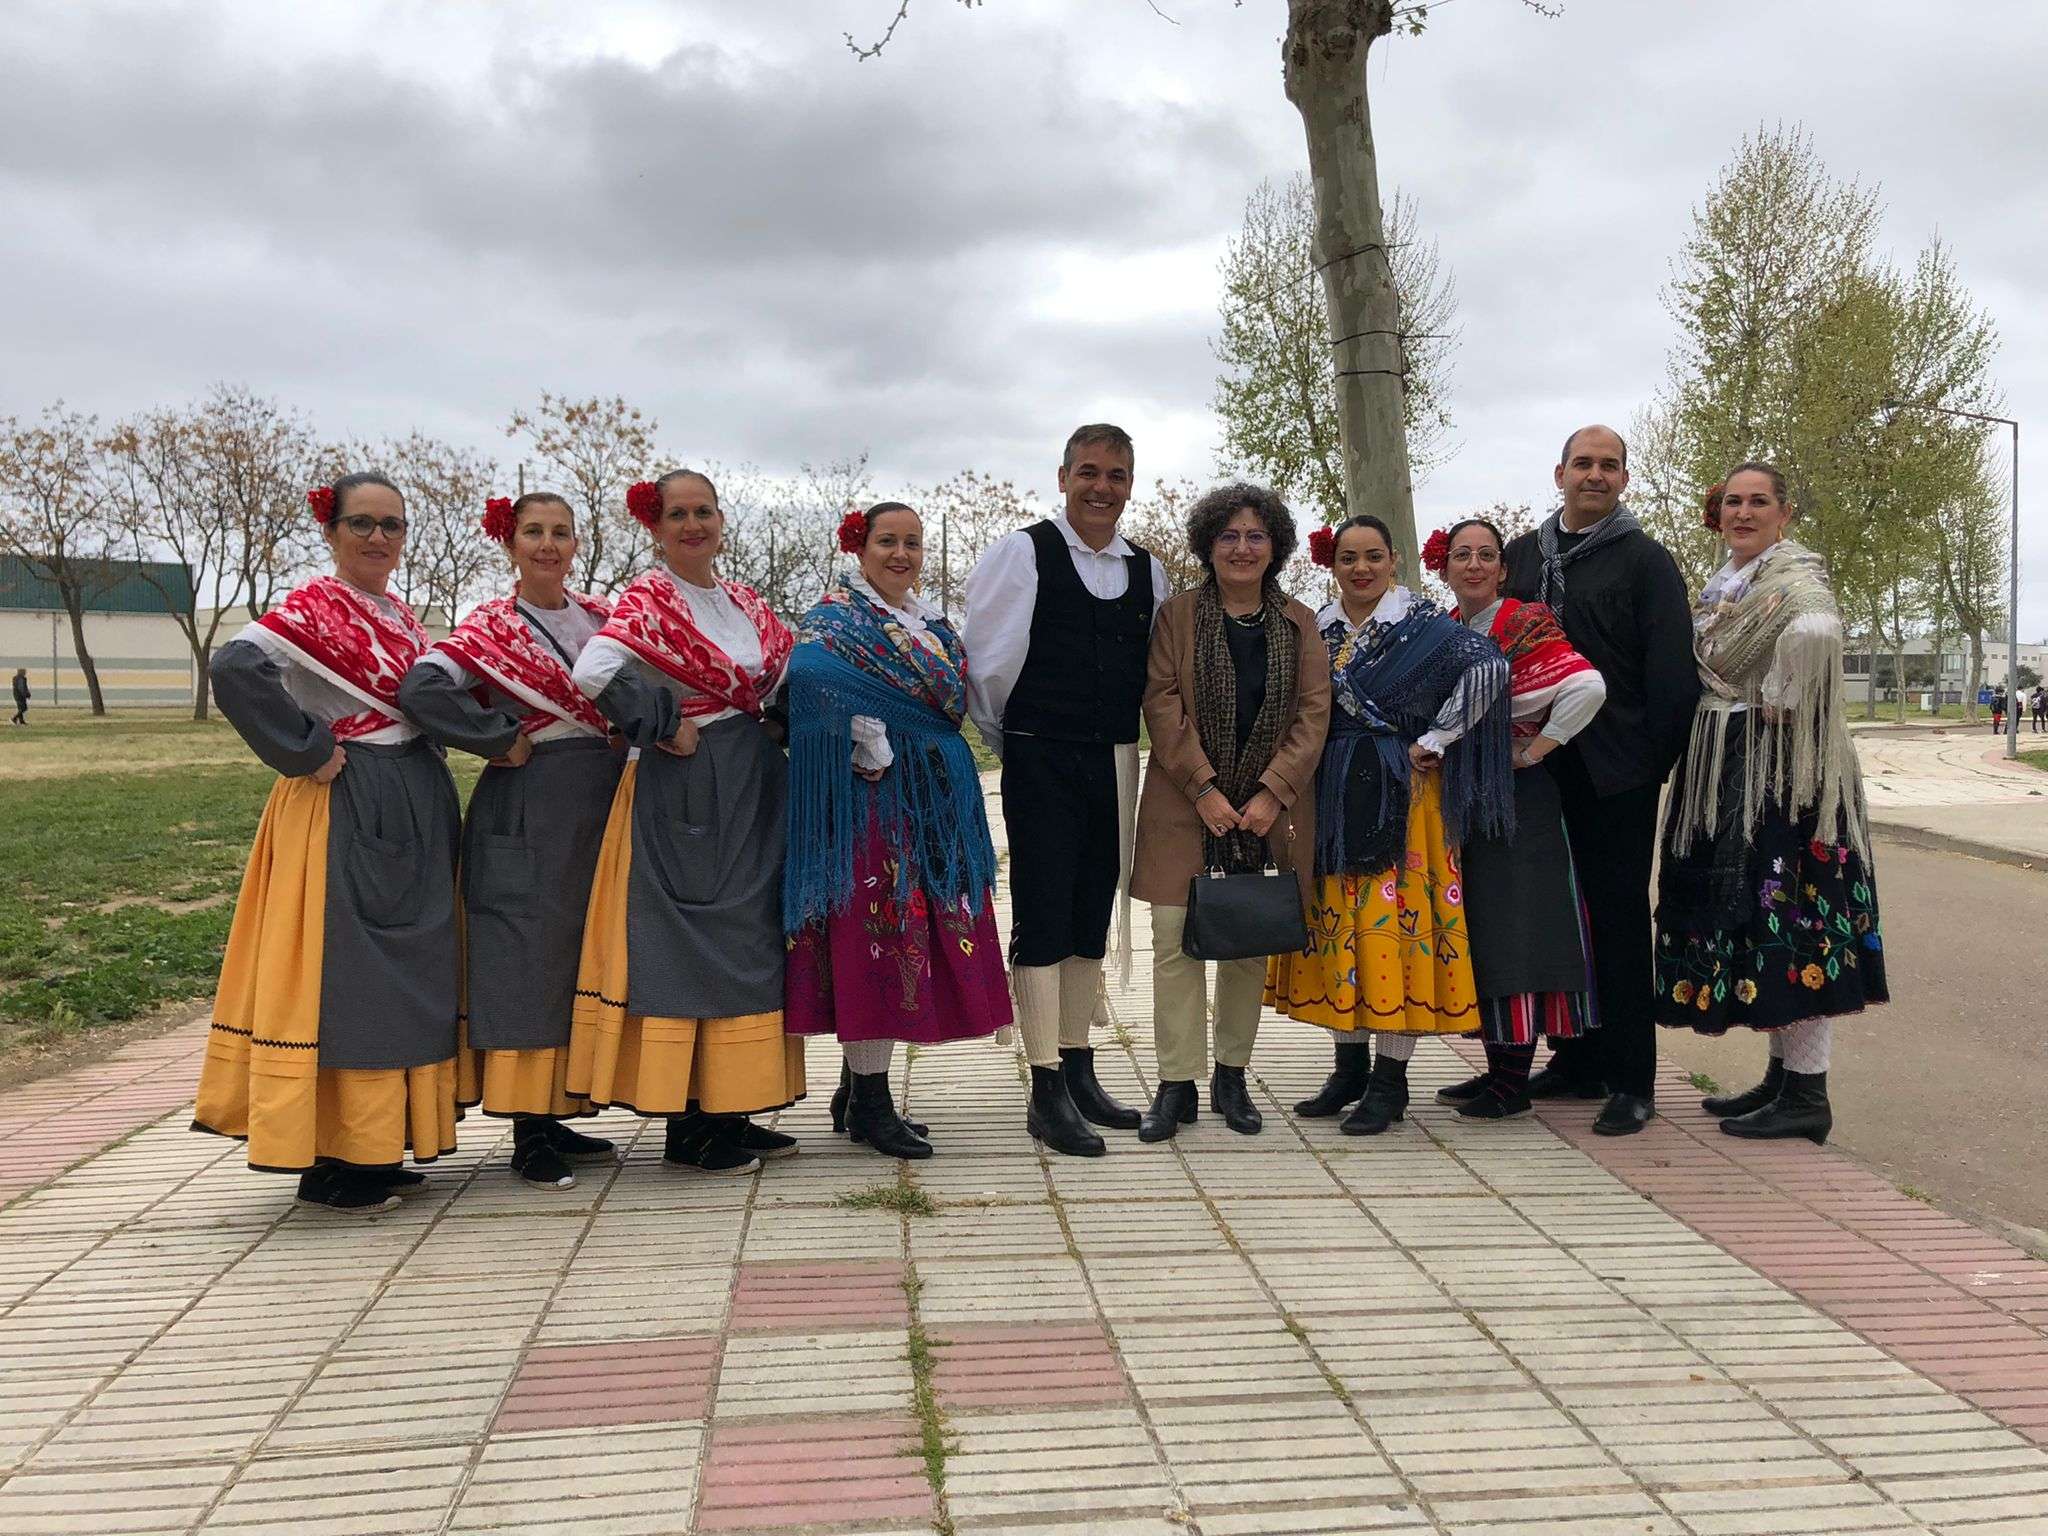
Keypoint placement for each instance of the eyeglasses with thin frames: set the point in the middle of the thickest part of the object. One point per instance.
(362, 525)
(1230, 538)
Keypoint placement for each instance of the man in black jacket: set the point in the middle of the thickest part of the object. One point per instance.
(21, 697)
(1624, 607)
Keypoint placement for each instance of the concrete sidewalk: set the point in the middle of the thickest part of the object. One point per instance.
(1505, 1329)
(1952, 789)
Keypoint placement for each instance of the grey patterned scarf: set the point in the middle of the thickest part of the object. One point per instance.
(1237, 772)
(1606, 531)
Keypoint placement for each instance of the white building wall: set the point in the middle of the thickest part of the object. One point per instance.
(141, 658)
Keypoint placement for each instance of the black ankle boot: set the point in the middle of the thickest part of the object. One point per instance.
(1729, 1105)
(1344, 1084)
(1173, 1106)
(1077, 1065)
(1385, 1101)
(1053, 1119)
(839, 1105)
(871, 1117)
(707, 1143)
(1800, 1109)
(1229, 1097)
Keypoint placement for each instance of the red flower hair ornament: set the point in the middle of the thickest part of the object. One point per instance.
(1322, 548)
(1436, 552)
(853, 532)
(643, 500)
(499, 524)
(321, 500)
(1711, 513)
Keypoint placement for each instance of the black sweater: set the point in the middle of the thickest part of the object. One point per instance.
(1626, 611)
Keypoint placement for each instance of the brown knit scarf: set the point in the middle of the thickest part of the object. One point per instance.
(1237, 773)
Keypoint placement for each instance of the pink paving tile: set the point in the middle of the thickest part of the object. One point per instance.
(584, 1386)
(855, 1294)
(815, 1472)
(990, 1366)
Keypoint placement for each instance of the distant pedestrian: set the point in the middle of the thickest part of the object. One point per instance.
(2040, 708)
(21, 696)
(1998, 712)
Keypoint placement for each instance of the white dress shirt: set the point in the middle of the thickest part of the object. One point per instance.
(716, 615)
(1002, 591)
(1392, 609)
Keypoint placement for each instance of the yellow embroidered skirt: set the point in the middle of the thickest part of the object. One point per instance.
(1387, 951)
(656, 1065)
(262, 1080)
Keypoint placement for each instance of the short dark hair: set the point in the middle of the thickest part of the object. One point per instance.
(1098, 434)
(1564, 456)
(1212, 513)
(1362, 520)
(362, 477)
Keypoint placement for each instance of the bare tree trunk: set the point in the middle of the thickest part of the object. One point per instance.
(74, 607)
(1324, 57)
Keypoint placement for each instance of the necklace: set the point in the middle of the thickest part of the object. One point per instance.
(1256, 619)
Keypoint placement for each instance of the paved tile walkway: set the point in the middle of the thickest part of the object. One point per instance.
(1461, 1329)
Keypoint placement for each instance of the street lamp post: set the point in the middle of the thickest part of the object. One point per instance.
(2012, 606)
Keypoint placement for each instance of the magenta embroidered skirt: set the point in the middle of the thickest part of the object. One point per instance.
(890, 970)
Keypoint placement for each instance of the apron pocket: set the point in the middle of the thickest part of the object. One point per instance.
(498, 876)
(686, 862)
(385, 884)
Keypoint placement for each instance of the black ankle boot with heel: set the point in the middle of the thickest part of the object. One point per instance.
(1800, 1109)
(1077, 1065)
(1345, 1083)
(1728, 1106)
(1232, 1100)
(1385, 1101)
(1053, 1119)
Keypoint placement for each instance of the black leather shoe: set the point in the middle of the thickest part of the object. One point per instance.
(575, 1147)
(1465, 1092)
(1344, 1084)
(1800, 1109)
(1553, 1082)
(1625, 1114)
(1229, 1097)
(1173, 1106)
(1077, 1065)
(1053, 1119)
(1495, 1103)
(871, 1117)
(839, 1098)
(1385, 1101)
(1728, 1106)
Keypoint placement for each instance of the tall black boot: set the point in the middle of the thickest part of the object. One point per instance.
(871, 1117)
(1053, 1119)
(1800, 1109)
(1229, 1097)
(1729, 1105)
(1345, 1082)
(1385, 1101)
(1077, 1065)
(1173, 1106)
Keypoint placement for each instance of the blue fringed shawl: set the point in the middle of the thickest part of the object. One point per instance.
(1387, 687)
(853, 659)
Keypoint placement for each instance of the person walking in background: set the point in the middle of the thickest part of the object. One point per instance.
(2040, 708)
(501, 686)
(1767, 901)
(679, 992)
(1531, 951)
(1237, 702)
(1059, 618)
(887, 897)
(21, 696)
(1416, 761)
(332, 1052)
(1624, 607)
(1998, 712)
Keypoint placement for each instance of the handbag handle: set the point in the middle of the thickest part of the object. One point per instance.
(1218, 872)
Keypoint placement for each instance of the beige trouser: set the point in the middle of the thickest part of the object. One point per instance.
(1180, 1004)
(1056, 1005)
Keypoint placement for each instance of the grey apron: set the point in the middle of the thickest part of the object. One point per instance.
(704, 900)
(389, 972)
(529, 846)
(1520, 905)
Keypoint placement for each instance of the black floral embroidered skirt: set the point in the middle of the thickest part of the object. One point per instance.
(1764, 928)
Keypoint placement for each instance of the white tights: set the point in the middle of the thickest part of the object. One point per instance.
(1804, 1047)
(867, 1056)
(1394, 1047)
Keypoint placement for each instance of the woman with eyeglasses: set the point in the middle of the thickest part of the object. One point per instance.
(680, 988)
(1237, 699)
(334, 1027)
(501, 687)
(1531, 944)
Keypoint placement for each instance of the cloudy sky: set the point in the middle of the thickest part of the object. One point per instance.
(396, 213)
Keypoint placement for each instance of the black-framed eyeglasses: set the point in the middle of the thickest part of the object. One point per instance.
(362, 525)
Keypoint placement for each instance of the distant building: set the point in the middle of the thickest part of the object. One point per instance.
(136, 646)
(1921, 664)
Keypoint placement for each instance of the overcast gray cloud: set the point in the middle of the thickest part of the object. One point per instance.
(412, 214)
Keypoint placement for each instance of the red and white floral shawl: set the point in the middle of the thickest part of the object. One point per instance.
(346, 637)
(652, 620)
(1539, 658)
(497, 642)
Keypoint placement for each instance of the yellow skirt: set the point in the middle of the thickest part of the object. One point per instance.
(1387, 951)
(262, 1080)
(650, 1064)
(534, 1082)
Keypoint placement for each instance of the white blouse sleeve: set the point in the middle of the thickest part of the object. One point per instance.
(602, 660)
(1578, 700)
(871, 749)
(1481, 684)
(995, 629)
(1794, 663)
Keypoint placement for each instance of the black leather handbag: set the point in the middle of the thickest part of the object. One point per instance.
(1241, 917)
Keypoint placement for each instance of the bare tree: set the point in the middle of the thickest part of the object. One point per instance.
(448, 562)
(55, 519)
(253, 462)
(963, 515)
(590, 451)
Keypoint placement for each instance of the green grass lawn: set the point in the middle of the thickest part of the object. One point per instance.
(121, 848)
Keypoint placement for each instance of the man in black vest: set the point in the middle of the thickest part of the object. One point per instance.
(1624, 607)
(1058, 622)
